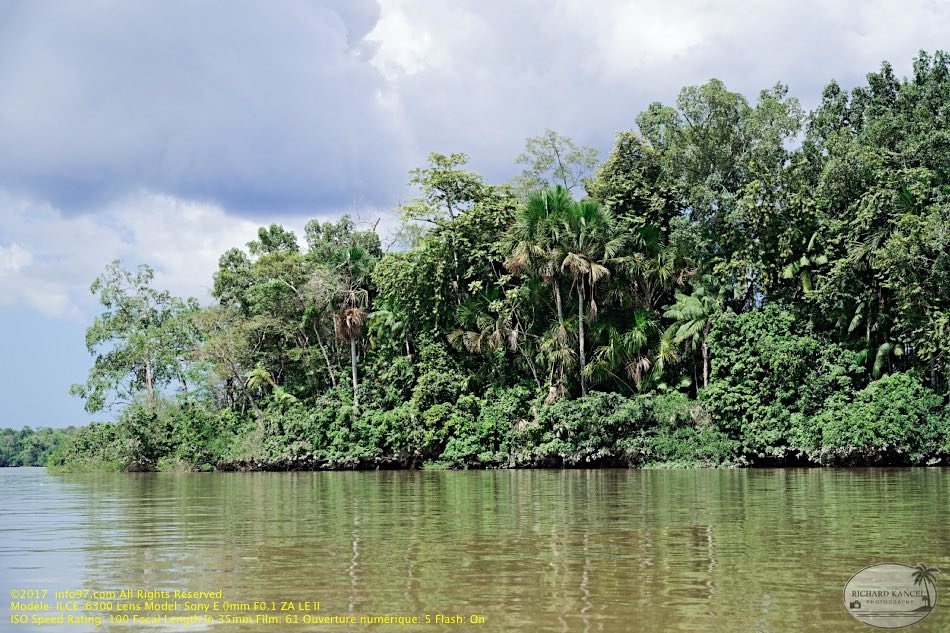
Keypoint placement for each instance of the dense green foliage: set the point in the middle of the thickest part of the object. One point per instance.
(28, 447)
(737, 283)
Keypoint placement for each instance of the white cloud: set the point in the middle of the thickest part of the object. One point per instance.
(482, 75)
(403, 48)
(61, 251)
(13, 258)
(56, 256)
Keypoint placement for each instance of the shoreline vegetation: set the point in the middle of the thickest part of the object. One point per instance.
(737, 284)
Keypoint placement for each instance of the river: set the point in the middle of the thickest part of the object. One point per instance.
(581, 550)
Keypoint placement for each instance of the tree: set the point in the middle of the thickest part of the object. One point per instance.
(725, 160)
(532, 246)
(693, 315)
(273, 239)
(770, 377)
(926, 576)
(135, 350)
(329, 241)
(446, 189)
(637, 350)
(232, 278)
(258, 377)
(636, 186)
(552, 159)
(879, 175)
(349, 320)
(586, 241)
(231, 345)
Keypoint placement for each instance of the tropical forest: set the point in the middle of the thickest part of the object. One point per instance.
(738, 282)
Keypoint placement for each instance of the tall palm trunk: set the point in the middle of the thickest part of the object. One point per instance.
(705, 365)
(561, 331)
(580, 333)
(557, 301)
(353, 368)
(706, 355)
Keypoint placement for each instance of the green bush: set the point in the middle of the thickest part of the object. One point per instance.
(683, 434)
(607, 429)
(575, 432)
(489, 437)
(894, 420)
(768, 378)
(95, 447)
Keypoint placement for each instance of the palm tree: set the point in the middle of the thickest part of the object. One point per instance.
(693, 315)
(388, 326)
(587, 241)
(482, 329)
(348, 324)
(641, 351)
(355, 267)
(487, 323)
(926, 576)
(883, 352)
(259, 376)
(532, 244)
(804, 266)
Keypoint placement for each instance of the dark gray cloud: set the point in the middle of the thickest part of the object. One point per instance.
(254, 105)
(305, 106)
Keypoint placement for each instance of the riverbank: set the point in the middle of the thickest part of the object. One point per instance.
(893, 421)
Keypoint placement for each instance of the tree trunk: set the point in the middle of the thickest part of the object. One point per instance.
(580, 333)
(184, 384)
(706, 355)
(561, 331)
(353, 367)
(530, 364)
(149, 386)
(247, 393)
(326, 358)
(527, 358)
(557, 301)
(705, 365)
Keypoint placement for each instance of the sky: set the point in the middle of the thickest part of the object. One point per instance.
(166, 132)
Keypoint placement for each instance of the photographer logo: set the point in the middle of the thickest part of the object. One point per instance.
(891, 596)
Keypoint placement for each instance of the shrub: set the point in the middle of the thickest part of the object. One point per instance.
(894, 420)
(483, 434)
(683, 434)
(95, 447)
(589, 431)
(768, 378)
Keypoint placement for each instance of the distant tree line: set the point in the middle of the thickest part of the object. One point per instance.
(28, 447)
(737, 283)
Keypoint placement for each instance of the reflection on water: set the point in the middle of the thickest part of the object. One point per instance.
(597, 550)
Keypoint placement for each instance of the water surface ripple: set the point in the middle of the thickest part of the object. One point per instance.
(595, 550)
